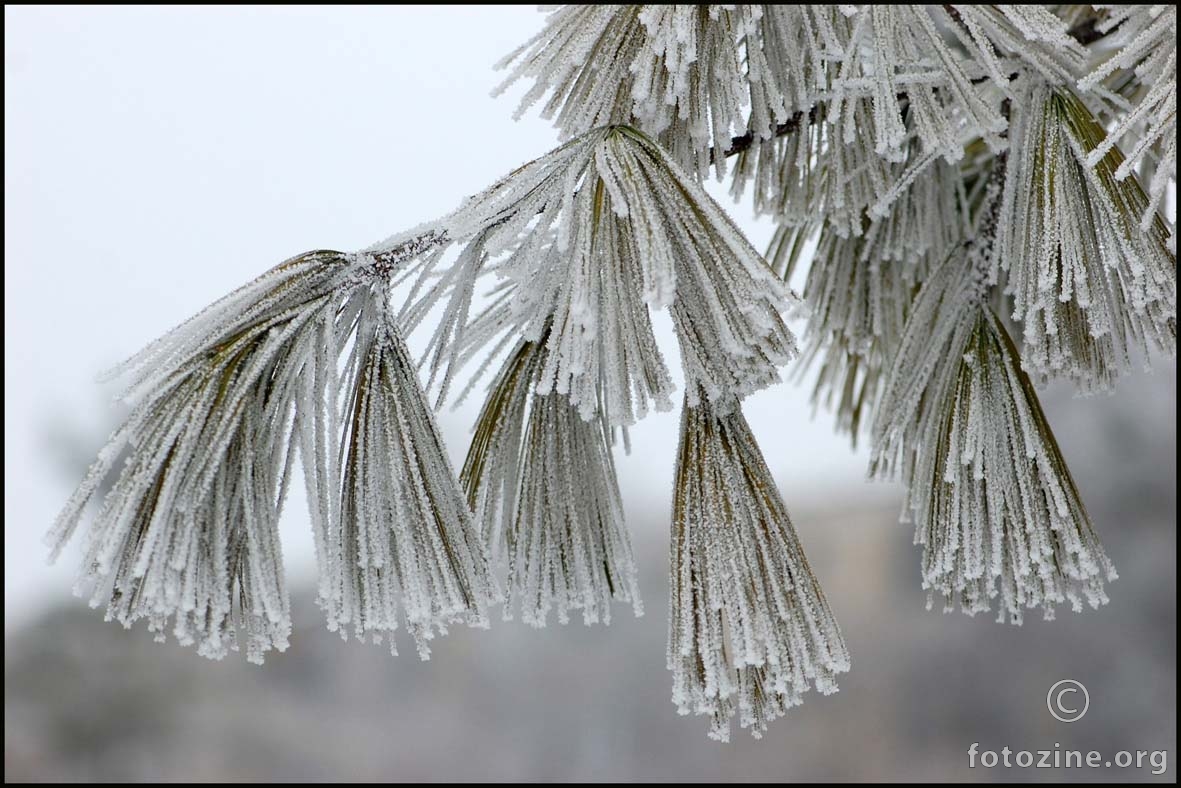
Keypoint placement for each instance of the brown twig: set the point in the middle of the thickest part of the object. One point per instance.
(743, 141)
(1088, 32)
(1085, 32)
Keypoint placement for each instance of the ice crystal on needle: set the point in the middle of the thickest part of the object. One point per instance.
(749, 628)
(542, 483)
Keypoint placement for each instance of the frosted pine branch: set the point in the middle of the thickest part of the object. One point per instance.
(407, 544)
(1147, 37)
(588, 238)
(932, 166)
(994, 506)
(749, 628)
(189, 530)
(1090, 287)
(542, 483)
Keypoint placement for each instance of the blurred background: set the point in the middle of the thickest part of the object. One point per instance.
(157, 158)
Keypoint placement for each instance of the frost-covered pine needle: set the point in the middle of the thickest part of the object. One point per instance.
(698, 77)
(407, 546)
(1147, 39)
(860, 287)
(898, 59)
(589, 238)
(995, 508)
(1004, 39)
(749, 628)
(542, 483)
(189, 530)
(692, 75)
(858, 307)
(1089, 285)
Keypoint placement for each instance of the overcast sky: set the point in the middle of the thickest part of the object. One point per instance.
(155, 159)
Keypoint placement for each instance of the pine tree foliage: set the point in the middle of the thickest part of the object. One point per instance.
(1089, 284)
(993, 502)
(1147, 36)
(982, 196)
(406, 541)
(542, 483)
(749, 628)
(189, 530)
(587, 239)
